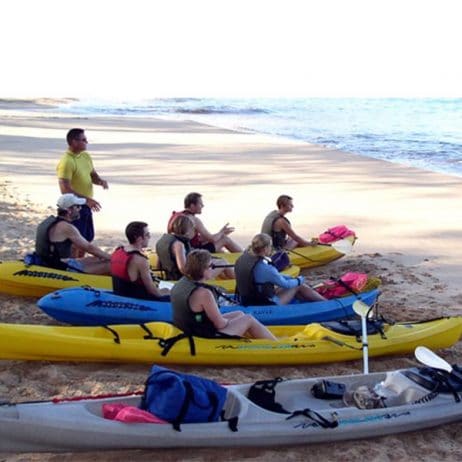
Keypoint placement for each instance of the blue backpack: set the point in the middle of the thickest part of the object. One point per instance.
(280, 260)
(182, 398)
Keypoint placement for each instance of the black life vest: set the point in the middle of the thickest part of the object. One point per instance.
(279, 237)
(248, 291)
(51, 252)
(167, 260)
(121, 283)
(184, 318)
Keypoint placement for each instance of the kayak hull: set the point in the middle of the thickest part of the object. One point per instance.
(79, 425)
(303, 257)
(148, 343)
(16, 278)
(91, 307)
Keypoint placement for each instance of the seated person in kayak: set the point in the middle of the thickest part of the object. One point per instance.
(203, 238)
(131, 275)
(258, 282)
(56, 235)
(279, 228)
(195, 309)
(173, 247)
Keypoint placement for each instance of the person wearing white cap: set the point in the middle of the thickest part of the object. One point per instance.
(56, 235)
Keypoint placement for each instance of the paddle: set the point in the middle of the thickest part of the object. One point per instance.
(362, 310)
(430, 359)
(343, 246)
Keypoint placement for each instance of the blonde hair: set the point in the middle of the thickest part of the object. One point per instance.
(182, 225)
(260, 242)
(197, 261)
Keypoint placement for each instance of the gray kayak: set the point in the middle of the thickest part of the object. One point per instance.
(316, 410)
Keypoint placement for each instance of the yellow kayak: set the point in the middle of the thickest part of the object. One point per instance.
(304, 257)
(149, 343)
(16, 278)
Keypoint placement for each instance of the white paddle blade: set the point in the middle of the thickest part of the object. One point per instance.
(360, 308)
(166, 285)
(343, 246)
(430, 359)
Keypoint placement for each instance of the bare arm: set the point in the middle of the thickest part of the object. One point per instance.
(96, 179)
(282, 224)
(180, 255)
(65, 187)
(203, 300)
(140, 266)
(72, 233)
(207, 235)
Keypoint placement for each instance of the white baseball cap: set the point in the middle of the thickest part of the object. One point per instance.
(68, 200)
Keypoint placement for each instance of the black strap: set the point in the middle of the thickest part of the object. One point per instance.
(184, 406)
(263, 394)
(114, 332)
(315, 417)
(168, 343)
(217, 291)
(345, 286)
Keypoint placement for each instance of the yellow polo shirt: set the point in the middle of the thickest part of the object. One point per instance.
(77, 168)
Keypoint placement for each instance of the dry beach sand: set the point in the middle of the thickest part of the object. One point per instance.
(407, 220)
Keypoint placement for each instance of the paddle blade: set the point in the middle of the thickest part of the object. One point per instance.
(360, 308)
(430, 359)
(343, 246)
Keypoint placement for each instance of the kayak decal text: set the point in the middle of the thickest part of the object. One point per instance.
(44, 274)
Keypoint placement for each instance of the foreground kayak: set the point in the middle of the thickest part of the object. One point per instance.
(304, 257)
(92, 307)
(294, 416)
(16, 278)
(164, 343)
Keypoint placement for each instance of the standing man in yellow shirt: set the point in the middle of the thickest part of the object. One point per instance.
(77, 175)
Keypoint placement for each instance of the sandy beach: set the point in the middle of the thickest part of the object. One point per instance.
(407, 220)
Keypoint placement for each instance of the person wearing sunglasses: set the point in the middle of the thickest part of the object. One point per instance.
(77, 175)
(130, 270)
(56, 234)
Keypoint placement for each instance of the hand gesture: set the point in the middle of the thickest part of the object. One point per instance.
(94, 205)
(227, 229)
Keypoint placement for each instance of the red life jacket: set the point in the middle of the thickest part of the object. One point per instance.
(119, 264)
(196, 239)
(350, 283)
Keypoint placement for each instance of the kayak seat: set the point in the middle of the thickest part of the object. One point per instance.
(353, 327)
(435, 380)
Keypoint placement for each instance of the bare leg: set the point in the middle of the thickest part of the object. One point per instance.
(94, 265)
(302, 292)
(239, 325)
(307, 293)
(286, 295)
(225, 273)
(227, 243)
(233, 314)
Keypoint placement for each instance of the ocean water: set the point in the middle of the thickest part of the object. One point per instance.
(423, 133)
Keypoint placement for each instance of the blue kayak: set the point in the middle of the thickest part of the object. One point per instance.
(86, 306)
